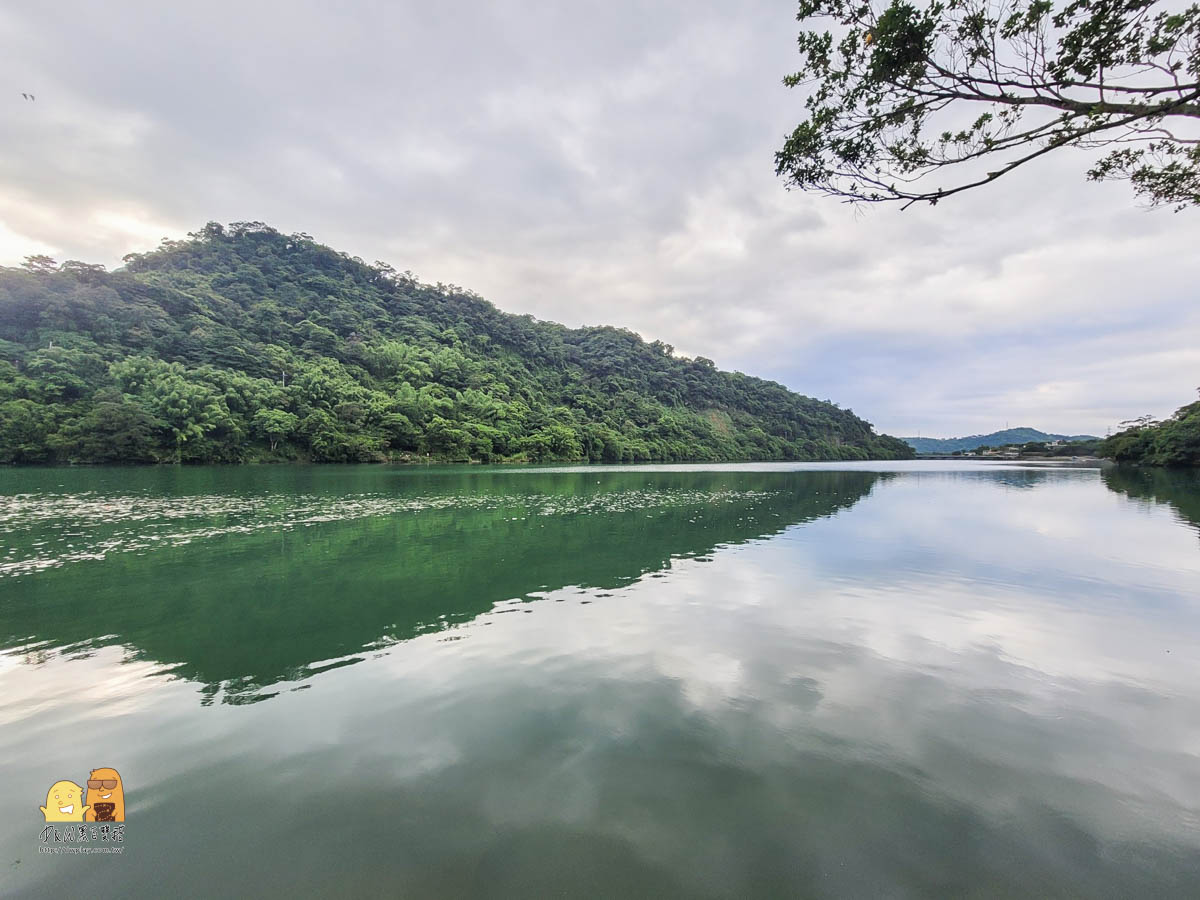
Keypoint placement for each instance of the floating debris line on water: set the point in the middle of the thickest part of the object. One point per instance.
(64, 528)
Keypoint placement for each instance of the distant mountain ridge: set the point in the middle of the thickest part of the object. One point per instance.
(995, 439)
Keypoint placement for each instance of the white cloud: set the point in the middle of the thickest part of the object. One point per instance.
(597, 163)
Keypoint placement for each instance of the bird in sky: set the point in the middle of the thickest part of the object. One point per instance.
(27, 96)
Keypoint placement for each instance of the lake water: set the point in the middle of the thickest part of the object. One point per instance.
(893, 680)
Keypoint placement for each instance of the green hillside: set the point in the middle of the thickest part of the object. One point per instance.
(1174, 442)
(995, 439)
(244, 344)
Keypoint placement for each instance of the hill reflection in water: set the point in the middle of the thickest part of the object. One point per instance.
(962, 680)
(1177, 488)
(286, 573)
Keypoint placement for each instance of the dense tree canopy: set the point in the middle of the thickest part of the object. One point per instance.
(1175, 442)
(242, 343)
(916, 103)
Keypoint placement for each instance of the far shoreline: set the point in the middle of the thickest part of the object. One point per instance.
(1081, 462)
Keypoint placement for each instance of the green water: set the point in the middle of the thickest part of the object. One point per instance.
(908, 680)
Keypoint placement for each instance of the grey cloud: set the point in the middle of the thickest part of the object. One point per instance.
(596, 163)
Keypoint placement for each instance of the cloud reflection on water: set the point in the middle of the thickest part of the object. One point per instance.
(959, 684)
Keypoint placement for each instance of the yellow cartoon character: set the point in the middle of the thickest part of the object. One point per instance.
(106, 796)
(64, 802)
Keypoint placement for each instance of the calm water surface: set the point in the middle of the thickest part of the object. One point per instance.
(922, 680)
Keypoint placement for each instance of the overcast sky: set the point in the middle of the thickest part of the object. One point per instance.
(596, 163)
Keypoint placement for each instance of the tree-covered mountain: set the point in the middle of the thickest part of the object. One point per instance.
(1174, 442)
(995, 439)
(244, 344)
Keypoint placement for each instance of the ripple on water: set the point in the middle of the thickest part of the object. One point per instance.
(78, 527)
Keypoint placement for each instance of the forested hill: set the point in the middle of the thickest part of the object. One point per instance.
(995, 439)
(1174, 442)
(243, 344)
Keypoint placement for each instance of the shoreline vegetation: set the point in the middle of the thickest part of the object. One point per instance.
(1173, 443)
(241, 344)
(1083, 462)
(1061, 449)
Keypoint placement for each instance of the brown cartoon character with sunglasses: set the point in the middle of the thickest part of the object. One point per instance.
(106, 796)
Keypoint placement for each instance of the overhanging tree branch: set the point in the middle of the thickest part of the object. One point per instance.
(891, 94)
